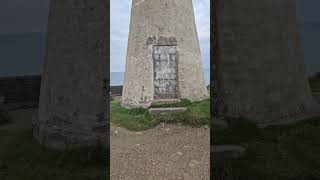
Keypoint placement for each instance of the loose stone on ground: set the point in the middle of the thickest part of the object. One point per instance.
(180, 153)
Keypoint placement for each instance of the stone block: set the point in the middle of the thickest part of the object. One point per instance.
(167, 110)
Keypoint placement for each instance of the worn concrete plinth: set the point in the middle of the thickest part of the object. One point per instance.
(162, 31)
(72, 99)
(165, 101)
(259, 66)
(167, 110)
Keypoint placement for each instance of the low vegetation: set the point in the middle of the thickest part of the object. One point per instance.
(286, 152)
(315, 82)
(22, 158)
(140, 119)
(4, 117)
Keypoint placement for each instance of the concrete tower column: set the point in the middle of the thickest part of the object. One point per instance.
(260, 70)
(163, 55)
(72, 102)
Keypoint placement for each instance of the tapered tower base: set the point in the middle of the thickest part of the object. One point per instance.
(259, 64)
(163, 57)
(72, 102)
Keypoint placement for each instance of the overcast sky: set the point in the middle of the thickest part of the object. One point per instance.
(23, 16)
(120, 19)
(20, 16)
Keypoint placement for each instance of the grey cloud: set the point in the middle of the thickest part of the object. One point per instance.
(20, 16)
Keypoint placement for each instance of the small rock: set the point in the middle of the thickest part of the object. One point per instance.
(193, 163)
(167, 129)
(116, 132)
(180, 153)
(138, 133)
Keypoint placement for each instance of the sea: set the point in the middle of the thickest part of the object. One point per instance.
(23, 54)
(116, 78)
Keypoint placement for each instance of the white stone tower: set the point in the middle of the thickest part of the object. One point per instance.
(259, 63)
(72, 107)
(163, 57)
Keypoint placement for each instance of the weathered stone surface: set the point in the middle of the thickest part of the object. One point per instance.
(163, 57)
(259, 64)
(72, 103)
(165, 101)
(167, 110)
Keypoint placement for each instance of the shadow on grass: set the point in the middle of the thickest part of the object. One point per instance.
(22, 158)
(286, 152)
(198, 113)
(4, 118)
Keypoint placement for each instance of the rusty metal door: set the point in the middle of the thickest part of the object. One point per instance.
(165, 72)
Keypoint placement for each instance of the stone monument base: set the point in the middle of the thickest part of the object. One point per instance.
(69, 138)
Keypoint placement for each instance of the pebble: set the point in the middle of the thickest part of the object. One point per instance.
(193, 163)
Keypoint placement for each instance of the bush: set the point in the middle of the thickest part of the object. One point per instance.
(4, 117)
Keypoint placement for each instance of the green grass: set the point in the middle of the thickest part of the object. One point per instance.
(279, 152)
(4, 118)
(315, 82)
(239, 131)
(22, 158)
(140, 119)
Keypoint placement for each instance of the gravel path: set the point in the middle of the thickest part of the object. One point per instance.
(166, 152)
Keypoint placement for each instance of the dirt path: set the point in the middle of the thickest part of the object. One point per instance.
(167, 152)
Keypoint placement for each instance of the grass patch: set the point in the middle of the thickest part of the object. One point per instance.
(22, 158)
(278, 152)
(141, 119)
(239, 131)
(314, 82)
(4, 117)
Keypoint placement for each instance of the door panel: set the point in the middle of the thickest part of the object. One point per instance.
(165, 72)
